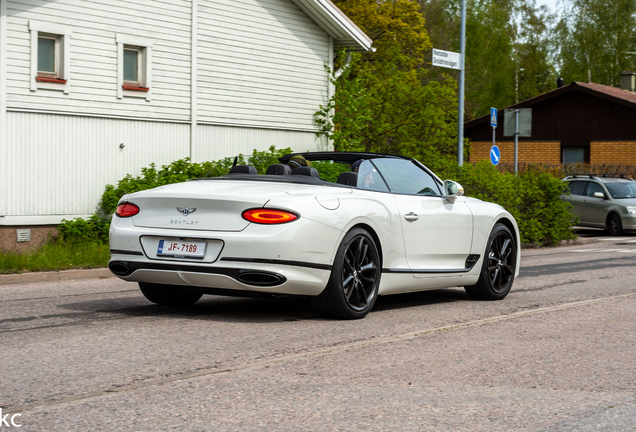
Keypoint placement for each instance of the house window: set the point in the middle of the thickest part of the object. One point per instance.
(132, 58)
(573, 155)
(48, 56)
(50, 47)
(134, 67)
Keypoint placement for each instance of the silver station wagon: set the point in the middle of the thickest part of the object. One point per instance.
(603, 201)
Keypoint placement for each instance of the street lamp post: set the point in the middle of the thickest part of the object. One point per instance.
(460, 116)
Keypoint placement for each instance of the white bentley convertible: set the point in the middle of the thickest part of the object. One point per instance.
(391, 227)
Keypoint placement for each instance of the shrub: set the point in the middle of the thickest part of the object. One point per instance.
(184, 170)
(93, 229)
(533, 198)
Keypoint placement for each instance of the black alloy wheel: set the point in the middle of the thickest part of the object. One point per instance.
(353, 286)
(498, 269)
(614, 225)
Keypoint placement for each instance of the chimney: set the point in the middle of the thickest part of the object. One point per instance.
(560, 82)
(628, 81)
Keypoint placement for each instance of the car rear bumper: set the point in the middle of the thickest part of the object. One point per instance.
(272, 278)
(293, 258)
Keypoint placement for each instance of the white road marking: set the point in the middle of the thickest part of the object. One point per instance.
(604, 250)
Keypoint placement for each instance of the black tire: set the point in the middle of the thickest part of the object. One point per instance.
(352, 289)
(498, 269)
(614, 225)
(169, 295)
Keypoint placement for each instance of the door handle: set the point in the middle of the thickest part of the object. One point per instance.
(411, 217)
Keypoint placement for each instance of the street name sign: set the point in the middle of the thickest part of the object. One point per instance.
(447, 59)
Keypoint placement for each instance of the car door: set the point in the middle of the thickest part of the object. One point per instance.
(594, 208)
(437, 233)
(577, 199)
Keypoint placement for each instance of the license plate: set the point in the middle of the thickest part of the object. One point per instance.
(181, 249)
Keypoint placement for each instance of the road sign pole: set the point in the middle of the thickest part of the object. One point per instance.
(516, 138)
(460, 116)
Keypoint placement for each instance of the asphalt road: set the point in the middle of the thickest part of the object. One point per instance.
(558, 354)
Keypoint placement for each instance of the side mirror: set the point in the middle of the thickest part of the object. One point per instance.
(452, 190)
(598, 195)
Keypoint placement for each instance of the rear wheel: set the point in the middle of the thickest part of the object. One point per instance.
(168, 295)
(614, 225)
(352, 289)
(498, 269)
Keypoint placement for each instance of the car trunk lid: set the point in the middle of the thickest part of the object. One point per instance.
(201, 205)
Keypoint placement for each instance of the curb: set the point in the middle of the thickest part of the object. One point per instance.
(62, 275)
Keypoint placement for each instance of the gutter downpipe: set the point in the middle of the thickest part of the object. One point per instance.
(3, 108)
(194, 24)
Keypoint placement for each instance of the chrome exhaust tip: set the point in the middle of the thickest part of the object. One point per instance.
(260, 278)
(119, 268)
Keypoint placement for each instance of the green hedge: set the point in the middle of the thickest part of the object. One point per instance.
(97, 226)
(532, 197)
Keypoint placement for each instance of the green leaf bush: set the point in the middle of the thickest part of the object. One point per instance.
(96, 228)
(532, 197)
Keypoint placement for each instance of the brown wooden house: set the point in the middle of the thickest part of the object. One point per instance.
(580, 122)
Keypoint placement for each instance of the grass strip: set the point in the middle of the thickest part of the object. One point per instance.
(56, 256)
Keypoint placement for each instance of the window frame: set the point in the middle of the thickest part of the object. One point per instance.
(140, 88)
(46, 80)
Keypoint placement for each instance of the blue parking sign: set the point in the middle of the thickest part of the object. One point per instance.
(495, 156)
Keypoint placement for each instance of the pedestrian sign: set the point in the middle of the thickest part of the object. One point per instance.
(495, 156)
(493, 117)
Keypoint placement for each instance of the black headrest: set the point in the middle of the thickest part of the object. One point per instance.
(348, 178)
(278, 169)
(306, 171)
(243, 169)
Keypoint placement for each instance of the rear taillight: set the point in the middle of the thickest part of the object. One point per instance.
(126, 210)
(269, 216)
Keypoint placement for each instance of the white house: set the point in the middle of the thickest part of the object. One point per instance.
(91, 90)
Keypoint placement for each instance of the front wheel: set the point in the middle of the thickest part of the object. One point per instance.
(498, 269)
(614, 225)
(355, 278)
(168, 295)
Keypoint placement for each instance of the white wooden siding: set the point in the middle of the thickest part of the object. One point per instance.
(93, 56)
(217, 142)
(260, 77)
(62, 166)
(261, 62)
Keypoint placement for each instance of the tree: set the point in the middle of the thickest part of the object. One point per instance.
(383, 102)
(534, 70)
(507, 49)
(597, 40)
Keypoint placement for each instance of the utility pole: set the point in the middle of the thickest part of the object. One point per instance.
(460, 116)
